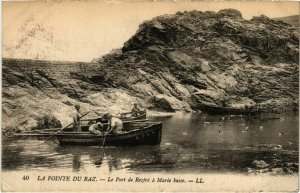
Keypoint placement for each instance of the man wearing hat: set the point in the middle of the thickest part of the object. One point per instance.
(115, 124)
(136, 110)
(76, 119)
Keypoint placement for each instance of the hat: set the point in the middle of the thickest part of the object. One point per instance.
(99, 119)
(107, 116)
(99, 125)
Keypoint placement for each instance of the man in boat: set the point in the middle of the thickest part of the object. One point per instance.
(136, 110)
(115, 125)
(94, 128)
(76, 119)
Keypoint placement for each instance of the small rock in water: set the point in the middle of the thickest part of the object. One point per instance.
(261, 127)
(289, 171)
(262, 170)
(168, 143)
(277, 147)
(289, 143)
(277, 171)
(246, 128)
(184, 133)
(279, 134)
(260, 164)
(291, 164)
(250, 170)
(257, 171)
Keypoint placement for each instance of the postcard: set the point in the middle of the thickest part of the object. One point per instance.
(150, 96)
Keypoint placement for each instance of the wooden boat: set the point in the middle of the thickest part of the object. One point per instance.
(85, 124)
(228, 110)
(143, 115)
(123, 117)
(142, 133)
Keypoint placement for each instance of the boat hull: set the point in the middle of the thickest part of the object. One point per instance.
(150, 135)
(142, 116)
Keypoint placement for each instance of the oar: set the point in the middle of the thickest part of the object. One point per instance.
(103, 141)
(93, 119)
(138, 120)
(104, 136)
(125, 113)
(133, 121)
(41, 130)
(63, 128)
(57, 133)
(99, 114)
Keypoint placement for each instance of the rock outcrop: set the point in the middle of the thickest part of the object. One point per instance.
(195, 58)
(42, 94)
(292, 20)
(174, 63)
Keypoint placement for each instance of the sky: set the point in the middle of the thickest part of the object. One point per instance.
(84, 30)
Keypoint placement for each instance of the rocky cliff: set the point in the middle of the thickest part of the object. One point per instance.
(173, 62)
(38, 94)
(194, 58)
(292, 20)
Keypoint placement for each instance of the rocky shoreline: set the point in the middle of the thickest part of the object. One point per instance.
(176, 62)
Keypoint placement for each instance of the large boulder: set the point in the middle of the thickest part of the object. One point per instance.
(167, 104)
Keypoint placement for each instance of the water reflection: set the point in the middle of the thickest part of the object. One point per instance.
(190, 143)
(76, 162)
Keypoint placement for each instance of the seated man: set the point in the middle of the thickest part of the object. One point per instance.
(115, 124)
(94, 128)
(136, 110)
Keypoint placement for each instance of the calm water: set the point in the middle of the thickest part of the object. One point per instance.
(190, 143)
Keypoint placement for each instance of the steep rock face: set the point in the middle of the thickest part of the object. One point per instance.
(195, 58)
(173, 62)
(292, 20)
(42, 94)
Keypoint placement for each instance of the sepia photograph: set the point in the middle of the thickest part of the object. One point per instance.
(150, 96)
